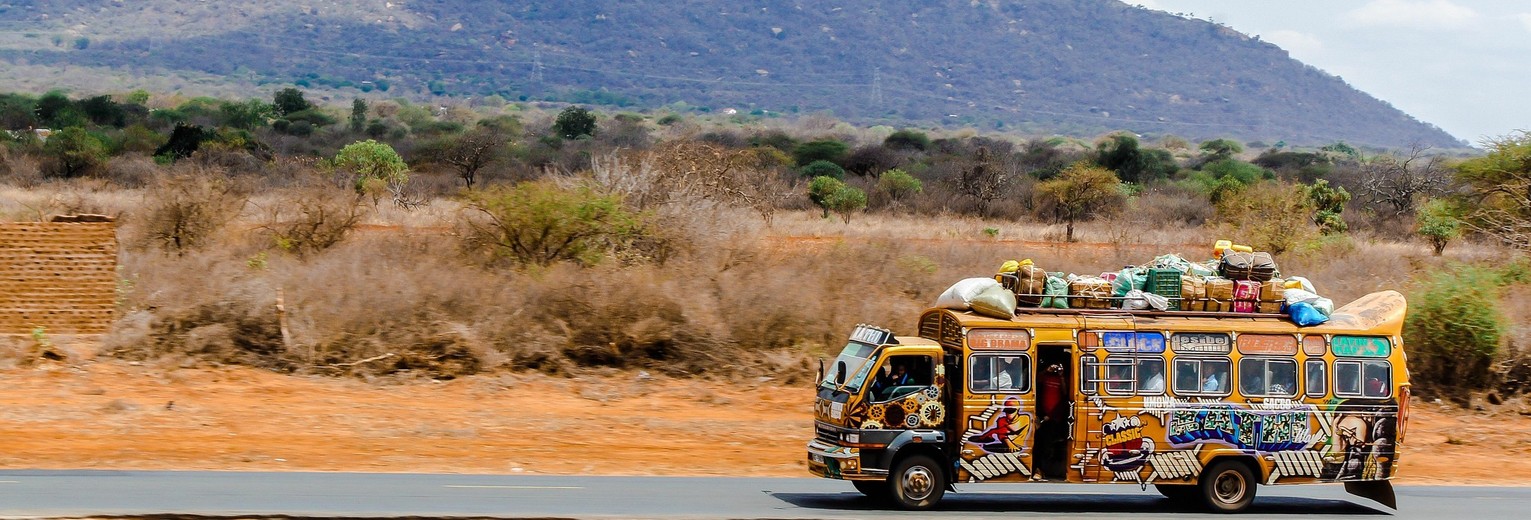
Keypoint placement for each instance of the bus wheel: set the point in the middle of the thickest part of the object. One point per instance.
(1181, 493)
(873, 489)
(1227, 487)
(916, 483)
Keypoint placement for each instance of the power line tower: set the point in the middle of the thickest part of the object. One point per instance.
(877, 86)
(537, 66)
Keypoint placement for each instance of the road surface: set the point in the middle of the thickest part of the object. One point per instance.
(86, 493)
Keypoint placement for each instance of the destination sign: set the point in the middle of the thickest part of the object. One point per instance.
(1313, 345)
(1201, 343)
(1268, 344)
(1143, 342)
(1361, 346)
(991, 339)
(871, 335)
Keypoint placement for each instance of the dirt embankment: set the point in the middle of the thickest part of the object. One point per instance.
(109, 414)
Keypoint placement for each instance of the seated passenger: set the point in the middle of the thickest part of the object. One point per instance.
(1155, 383)
(1211, 384)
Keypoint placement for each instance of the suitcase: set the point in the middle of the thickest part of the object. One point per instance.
(1245, 290)
(1259, 266)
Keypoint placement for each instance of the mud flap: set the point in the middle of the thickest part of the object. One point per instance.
(1379, 490)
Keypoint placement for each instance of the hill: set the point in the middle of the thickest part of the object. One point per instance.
(1076, 67)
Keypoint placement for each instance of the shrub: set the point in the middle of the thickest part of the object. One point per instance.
(846, 201)
(183, 212)
(823, 169)
(73, 152)
(820, 150)
(898, 185)
(1328, 202)
(1453, 329)
(539, 223)
(574, 122)
(1437, 221)
(821, 189)
(1270, 216)
(308, 220)
(907, 140)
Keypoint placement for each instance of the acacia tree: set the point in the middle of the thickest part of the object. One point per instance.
(1437, 221)
(1271, 215)
(1399, 181)
(574, 122)
(984, 179)
(1080, 193)
(1501, 185)
(472, 151)
(376, 168)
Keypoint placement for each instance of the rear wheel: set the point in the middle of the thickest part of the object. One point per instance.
(916, 483)
(1180, 493)
(873, 489)
(1228, 487)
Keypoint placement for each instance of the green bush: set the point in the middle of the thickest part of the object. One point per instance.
(1453, 329)
(820, 150)
(823, 169)
(898, 184)
(907, 140)
(1437, 221)
(539, 223)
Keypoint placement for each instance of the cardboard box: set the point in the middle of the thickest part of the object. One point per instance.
(1270, 307)
(1220, 289)
(1273, 291)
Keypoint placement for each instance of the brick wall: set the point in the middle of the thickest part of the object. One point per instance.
(59, 276)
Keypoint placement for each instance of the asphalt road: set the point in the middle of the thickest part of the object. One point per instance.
(87, 493)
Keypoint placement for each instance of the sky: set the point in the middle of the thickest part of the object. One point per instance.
(1462, 65)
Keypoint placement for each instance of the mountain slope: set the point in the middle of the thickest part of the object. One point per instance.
(1068, 66)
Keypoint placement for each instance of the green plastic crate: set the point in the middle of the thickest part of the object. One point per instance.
(1166, 283)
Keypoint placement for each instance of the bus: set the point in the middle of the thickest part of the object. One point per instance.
(1205, 407)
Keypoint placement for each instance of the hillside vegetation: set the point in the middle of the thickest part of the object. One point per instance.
(1071, 67)
(408, 240)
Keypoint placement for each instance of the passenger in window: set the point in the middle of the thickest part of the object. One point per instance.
(1375, 387)
(1277, 389)
(1006, 381)
(1211, 384)
(897, 375)
(1155, 383)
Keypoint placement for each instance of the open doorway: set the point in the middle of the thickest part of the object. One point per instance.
(1054, 411)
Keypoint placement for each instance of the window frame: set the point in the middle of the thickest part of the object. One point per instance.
(888, 361)
(1025, 370)
(1089, 372)
(1266, 373)
(1201, 360)
(1361, 372)
(1307, 368)
(1134, 361)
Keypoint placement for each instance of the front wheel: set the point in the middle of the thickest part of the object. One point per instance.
(916, 483)
(1228, 487)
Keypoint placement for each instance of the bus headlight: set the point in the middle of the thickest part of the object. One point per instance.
(853, 438)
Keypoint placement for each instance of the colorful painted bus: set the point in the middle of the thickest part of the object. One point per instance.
(1204, 407)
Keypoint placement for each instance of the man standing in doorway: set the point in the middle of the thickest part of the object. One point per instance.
(1052, 428)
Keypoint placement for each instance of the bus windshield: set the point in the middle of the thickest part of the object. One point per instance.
(855, 357)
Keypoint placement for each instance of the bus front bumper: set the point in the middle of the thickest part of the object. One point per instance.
(839, 462)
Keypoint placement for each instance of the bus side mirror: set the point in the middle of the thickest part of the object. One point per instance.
(839, 373)
(820, 377)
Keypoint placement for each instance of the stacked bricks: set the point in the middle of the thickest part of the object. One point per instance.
(60, 276)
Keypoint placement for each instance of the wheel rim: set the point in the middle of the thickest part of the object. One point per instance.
(918, 483)
(1229, 488)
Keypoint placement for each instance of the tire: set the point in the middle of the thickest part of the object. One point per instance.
(1182, 493)
(1228, 487)
(874, 489)
(916, 483)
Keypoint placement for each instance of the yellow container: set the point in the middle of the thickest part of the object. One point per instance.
(1243, 249)
(1220, 246)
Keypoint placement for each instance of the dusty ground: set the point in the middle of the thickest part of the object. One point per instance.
(110, 414)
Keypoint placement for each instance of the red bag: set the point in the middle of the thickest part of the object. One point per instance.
(1246, 290)
(1244, 306)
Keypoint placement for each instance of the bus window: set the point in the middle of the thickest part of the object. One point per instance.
(1347, 378)
(1317, 384)
(1119, 379)
(1267, 377)
(1196, 376)
(1370, 379)
(1150, 376)
(998, 373)
(1089, 373)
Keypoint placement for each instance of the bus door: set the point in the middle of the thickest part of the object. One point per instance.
(997, 423)
(1054, 409)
